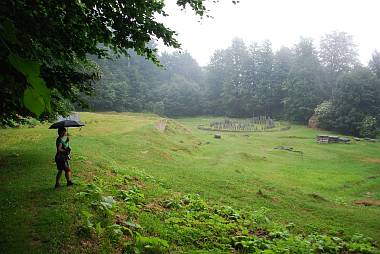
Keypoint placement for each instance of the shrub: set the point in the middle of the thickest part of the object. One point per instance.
(17, 121)
(368, 127)
(325, 115)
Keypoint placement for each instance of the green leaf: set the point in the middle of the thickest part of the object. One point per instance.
(25, 66)
(98, 228)
(33, 101)
(82, 194)
(31, 70)
(40, 87)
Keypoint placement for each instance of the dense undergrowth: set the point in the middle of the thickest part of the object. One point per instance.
(19, 122)
(122, 216)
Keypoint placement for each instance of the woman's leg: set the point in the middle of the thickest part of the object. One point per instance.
(68, 174)
(57, 178)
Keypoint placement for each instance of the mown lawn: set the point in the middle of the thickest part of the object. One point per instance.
(315, 189)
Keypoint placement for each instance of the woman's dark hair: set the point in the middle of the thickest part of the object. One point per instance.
(61, 131)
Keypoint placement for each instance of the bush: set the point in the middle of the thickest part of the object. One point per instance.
(325, 115)
(368, 127)
(17, 121)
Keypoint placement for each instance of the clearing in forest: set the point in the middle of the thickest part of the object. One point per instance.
(125, 158)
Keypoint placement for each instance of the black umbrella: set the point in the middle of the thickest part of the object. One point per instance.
(66, 123)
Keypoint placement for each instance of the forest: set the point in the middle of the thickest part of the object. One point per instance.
(324, 79)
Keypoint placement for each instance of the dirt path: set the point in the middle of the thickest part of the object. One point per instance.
(161, 125)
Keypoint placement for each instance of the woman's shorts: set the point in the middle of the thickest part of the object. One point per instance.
(63, 165)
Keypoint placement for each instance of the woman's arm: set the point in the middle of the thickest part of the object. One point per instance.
(60, 148)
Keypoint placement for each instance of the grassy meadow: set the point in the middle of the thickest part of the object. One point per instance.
(313, 190)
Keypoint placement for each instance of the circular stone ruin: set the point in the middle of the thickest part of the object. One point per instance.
(254, 124)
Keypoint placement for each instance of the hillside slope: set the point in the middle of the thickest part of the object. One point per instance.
(125, 154)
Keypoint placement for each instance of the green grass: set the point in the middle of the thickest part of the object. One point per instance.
(314, 190)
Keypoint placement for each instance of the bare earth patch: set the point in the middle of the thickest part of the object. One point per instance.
(367, 202)
(370, 160)
(178, 148)
(138, 182)
(154, 207)
(261, 233)
(86, 246)
(166, 156)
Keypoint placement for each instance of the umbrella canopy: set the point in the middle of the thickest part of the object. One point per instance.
(66, 123)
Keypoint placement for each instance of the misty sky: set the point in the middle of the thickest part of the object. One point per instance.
(280, 21)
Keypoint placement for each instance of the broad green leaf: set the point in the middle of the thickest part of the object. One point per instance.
(25, 66)
(31, 70)
(98, 228)
(40, 87)
(33, 101)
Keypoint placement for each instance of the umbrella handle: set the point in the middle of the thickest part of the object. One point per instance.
(67, 134)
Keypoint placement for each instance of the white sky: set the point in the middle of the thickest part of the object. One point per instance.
(280, 21)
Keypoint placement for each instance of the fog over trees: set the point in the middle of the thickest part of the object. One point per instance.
(322, 77)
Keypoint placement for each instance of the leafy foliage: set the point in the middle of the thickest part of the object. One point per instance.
(150, 245)
(357, 96)
(45, 45)
(191, 223)
(368, 127)
(325, 114)
(19, 121)
(355, 105)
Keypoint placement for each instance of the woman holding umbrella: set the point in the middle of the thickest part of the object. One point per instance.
(62, 157)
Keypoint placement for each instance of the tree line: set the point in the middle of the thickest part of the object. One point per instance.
(325, 79)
